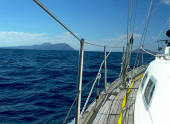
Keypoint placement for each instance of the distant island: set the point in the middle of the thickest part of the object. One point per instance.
(44, 46)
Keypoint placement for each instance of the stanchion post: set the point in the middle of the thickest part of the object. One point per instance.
(80, 73)
(105, 69)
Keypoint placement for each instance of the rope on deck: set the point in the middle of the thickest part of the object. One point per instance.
(125, 98)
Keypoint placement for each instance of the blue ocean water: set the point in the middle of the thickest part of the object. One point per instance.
(38, 87)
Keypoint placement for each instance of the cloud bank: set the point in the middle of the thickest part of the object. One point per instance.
(25, 39)
(22, 38)
(167, 2)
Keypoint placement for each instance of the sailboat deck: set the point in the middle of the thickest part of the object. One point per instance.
(110, 112)
(109, 107)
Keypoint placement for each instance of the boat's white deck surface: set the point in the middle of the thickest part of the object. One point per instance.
(110, 111)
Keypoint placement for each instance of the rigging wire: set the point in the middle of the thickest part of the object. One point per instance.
(134, 22)
(147, 52)
(128, 24)
(127, 53)
(75, 99)
(46, 10)
(133, 29)
(150, 43)
(64, 26)
(146, 22)
(160, 33)
(99, 72)
(74, 35)
(146, 27)
(68, 113)
(98, 45)
(131, 17)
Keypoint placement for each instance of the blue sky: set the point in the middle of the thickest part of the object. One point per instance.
(98, 21)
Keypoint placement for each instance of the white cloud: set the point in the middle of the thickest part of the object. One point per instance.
(22, 39)
(166, 2)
